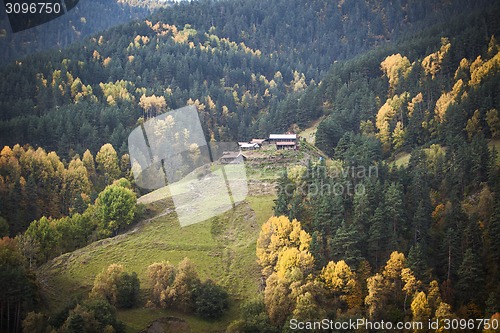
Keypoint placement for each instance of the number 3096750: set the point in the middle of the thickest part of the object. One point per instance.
(455, 324)
(33, 8)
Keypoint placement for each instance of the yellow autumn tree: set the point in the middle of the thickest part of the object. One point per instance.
(105, 283)
(287, 264)
(162, 276)
(183, 286)
(389, 286)
(398, 135)
(432, 63)
(277, 299)
(390, 110)
(366, 128)
(463, 70)
(420, 309)
(107, 163)
(447, 99)
(376, 298)
(76, 186)
(394, 267)
(443, 312)
(481, 69)
(395, 67)
(341, 281)
(152, 105)
(299, 82)
(117, 91)
(473, 126)
(307, 308)
(338, 277)
(493, 121)
(290, 258)
(411, 283)
(290, 288)
(173, 286)
(275, 234)
(433, 296)
(415, 103)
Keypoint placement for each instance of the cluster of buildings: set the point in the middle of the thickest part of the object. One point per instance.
(282, 141)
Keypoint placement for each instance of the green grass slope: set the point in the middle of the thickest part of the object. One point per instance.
(223, 249)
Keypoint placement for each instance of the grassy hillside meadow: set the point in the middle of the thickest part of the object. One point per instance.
(223, 249)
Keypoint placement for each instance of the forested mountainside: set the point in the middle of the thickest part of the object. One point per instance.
(425, 112)
(398, 221)
(428, 59)
(312, 35)
(228, 57)
(440, 208)
(86, 18)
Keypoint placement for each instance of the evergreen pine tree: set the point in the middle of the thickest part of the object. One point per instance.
(377, 240)
(471, 278)
(394, 214)
(493, 239)
(285, 191)
(421, 223)
(345, 245)
(417, 262)
(317, 249)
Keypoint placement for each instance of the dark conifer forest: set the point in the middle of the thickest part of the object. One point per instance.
(388, 211)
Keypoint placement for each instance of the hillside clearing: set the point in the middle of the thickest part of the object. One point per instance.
(223, 249)
(310, 133)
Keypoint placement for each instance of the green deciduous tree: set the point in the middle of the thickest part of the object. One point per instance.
(127, 287)
(115, 209)
(210, 300)
(46, 236)
(93, 315)
(255, 319)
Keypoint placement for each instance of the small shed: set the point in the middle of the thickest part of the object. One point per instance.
(232, 157)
